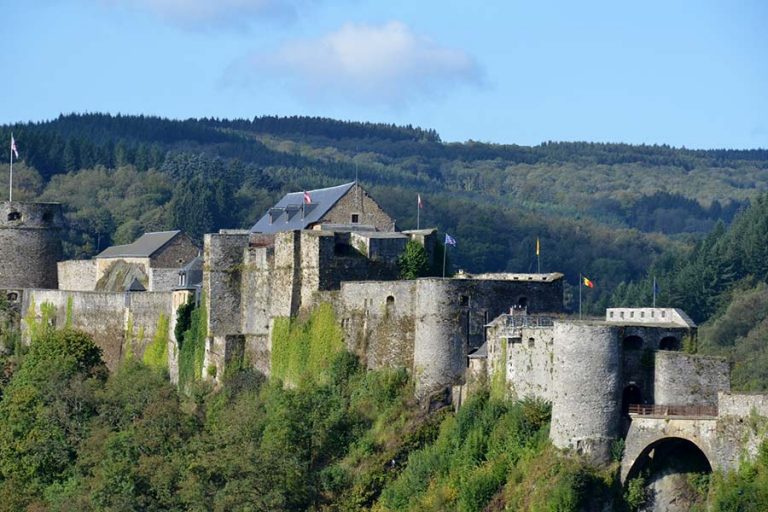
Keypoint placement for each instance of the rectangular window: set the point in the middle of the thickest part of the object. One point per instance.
(355, 218)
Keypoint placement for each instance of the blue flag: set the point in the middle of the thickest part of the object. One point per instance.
(449, 240)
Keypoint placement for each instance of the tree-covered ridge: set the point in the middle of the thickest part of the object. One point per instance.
(605, 210)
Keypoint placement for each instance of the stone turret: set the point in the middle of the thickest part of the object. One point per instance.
(586, 410)
(30, 245)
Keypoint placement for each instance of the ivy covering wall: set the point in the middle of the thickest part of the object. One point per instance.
(191, 333)
(305, 348)
(156, 353)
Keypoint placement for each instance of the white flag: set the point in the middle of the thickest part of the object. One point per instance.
(13, 147)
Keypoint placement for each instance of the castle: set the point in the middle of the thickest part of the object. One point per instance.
(621, 377)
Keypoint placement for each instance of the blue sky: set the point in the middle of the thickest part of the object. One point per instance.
(685, 73)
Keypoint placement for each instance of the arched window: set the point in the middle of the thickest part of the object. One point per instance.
(14, 216)
(632, 343)
(522, 302)
(669, 343)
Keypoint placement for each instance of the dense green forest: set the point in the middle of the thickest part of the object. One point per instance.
(605, 210)
(74, 437)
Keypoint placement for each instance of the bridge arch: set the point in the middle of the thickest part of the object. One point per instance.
(640, 456)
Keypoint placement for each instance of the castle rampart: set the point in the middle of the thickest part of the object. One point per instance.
(120, 323)
(687, 379)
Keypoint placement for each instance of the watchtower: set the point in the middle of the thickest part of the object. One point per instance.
(30, 244)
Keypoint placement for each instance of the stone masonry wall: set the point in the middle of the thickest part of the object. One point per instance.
(222, 281)
(742, 405)
(638, 357)
(30, 246)
(286, 285)
(256, 306)
(586, 409)
(77, 275)
(378, 322)
(176, 253)
(105, 316)
(530, 364)
(687, 379)
(163, 279)
(357, 201)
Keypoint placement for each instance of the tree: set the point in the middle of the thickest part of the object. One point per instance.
(413, 262)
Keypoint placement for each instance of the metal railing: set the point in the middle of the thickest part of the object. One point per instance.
(514, 323)
(673, 410)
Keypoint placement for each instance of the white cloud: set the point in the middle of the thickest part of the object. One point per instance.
(387, 64)
(204, 14)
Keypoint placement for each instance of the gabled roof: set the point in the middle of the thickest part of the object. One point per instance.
(143, 247)
(290, 213)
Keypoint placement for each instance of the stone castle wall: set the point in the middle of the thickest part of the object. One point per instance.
(105, 316)
(530, 364)
(163, 279)
(687, 379)
(77, 275)
(222, 281)
(378, 322)
(29, 244)
(639, 345)
(742, 405)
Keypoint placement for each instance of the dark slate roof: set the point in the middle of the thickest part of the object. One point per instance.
(135, 286)
(286, 215)
(143, 247)
(480, 353)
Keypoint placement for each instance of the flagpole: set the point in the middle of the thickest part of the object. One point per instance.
(538, 256)
(654, 291)
(418, 211)
(580, 280)
(10, 181)
(445, 251)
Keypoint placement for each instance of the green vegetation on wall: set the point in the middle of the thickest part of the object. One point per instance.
(156, 353)
(45, 325)
(69, 315)
(745, 490)
(191, 342)
(305, 349)
(499, 374)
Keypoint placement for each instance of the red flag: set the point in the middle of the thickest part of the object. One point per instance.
(13, 147)
(307, 198)
(588, 283)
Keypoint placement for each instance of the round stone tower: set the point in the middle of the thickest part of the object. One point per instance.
(30, 245)
(439, 352)
(586, 407)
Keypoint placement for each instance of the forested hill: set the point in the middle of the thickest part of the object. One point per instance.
(606, 210)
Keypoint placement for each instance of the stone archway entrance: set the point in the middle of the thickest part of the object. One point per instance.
(631, 395)
(672, 470)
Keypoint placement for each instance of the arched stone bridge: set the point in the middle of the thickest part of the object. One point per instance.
(723, 440)
(647, 432)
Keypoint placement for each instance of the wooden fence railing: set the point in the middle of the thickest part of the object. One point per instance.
(672, 410)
